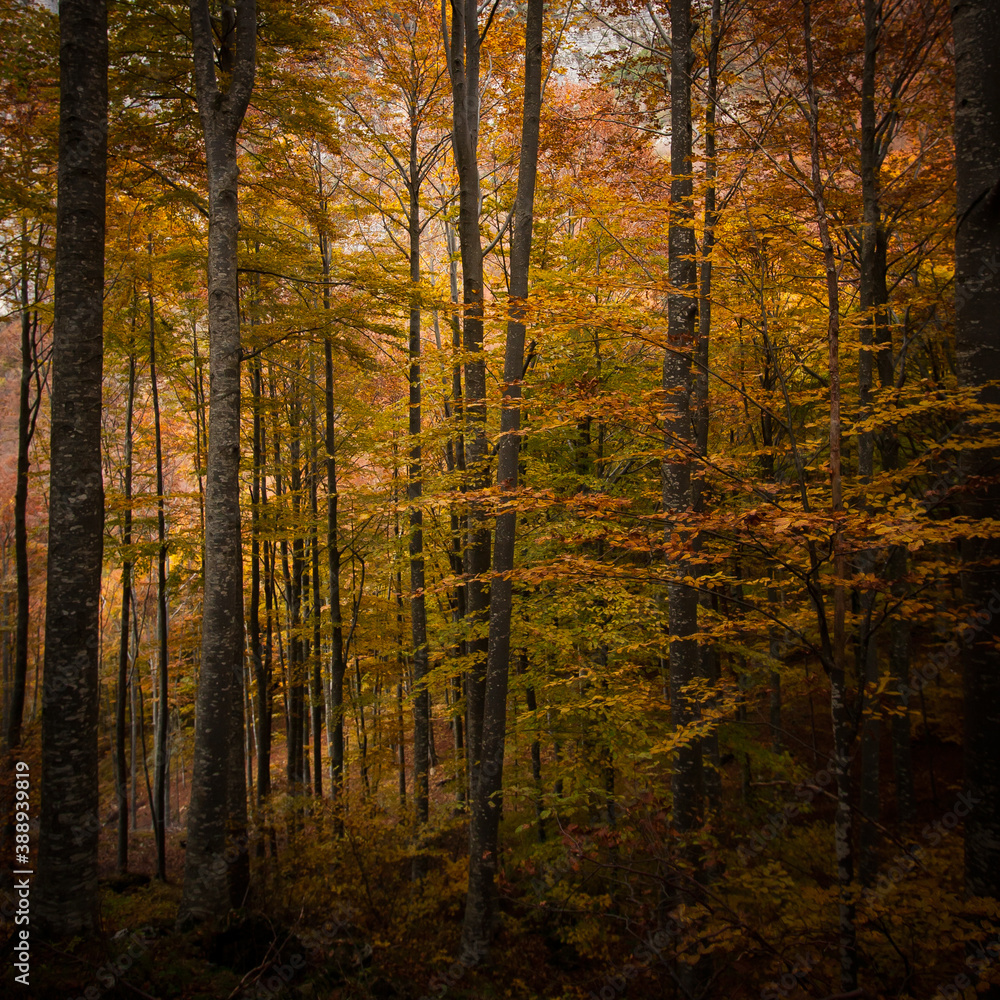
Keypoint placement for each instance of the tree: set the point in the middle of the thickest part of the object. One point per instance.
(218, 798)
(463, 54)
(480, 906)
(678, 426)
(977, 298)
(67, 862)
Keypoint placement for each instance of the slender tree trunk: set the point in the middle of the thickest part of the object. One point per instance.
(840, 710)
(133, 737)
(873, 296)
(25, 432)
(709, 655)
(681, 444)
(455, 455)
(414, 486)
(296, 652)
(66, 901)
(160, 727)
(463, 64)
(536, 744)
(316, 690)
(335, 723)
(213, 880)
(977, 297)
(480, 910)
(261, 664)
(121, 695)
(679, 439)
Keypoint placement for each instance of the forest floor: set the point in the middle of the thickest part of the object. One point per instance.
(341, 918)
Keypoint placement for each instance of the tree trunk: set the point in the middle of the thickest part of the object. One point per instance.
(463, 64)
(213, 878)
(418, 611)
(122, 691)
(977, 298)
(712, 773)
(835, 653)
(261, 663)
(480, 910)
(316, 688)
(294, 588)
(679, 436)
(66, 900)
(26, 413)
(335, 723)
(160, 727)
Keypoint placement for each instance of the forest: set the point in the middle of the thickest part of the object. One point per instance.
(500, 500)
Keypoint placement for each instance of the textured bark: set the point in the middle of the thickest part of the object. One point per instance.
(122, 691)
(294, 594)
(709, 656)
(213, 877)
(316, 699)
(335, 723)
(681, 448)
(418, 611)
(455, 457)
(977, 245)
(835, 652)
(899, 667)
(463, 65)
(160, 723)
(678, 427)
(335, 715)
(27, 411)
(261, 661)
(874, 324)
(480, 908)
(65, 900)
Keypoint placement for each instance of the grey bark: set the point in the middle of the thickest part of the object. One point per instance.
(65, 900)
(217, 814)
(27, 412)
(709, 655)
(679, 432)
(976, 26)
(463, 66)
(834, 649)
(418, 611)
(873, 298)
(261, 657)
(122, 691)
(316, 699)
(335, 722)
(481, 906)
(160, 723)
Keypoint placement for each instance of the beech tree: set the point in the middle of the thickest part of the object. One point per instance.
(67, 862)
(480, 906)
(977, 298)
(217, 817)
